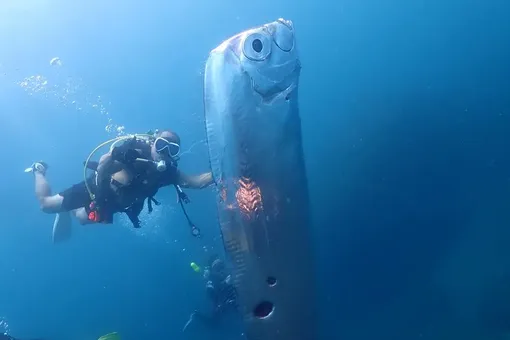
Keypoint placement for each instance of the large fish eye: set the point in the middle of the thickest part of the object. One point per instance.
(284, 35)
(257, 46)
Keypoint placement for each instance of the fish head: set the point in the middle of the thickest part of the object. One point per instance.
(268, 56)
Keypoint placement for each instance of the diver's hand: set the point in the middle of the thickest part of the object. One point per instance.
(126, 157)
(131, 155)
(117, 154)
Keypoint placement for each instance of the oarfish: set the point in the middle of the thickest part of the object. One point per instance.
(256, 155)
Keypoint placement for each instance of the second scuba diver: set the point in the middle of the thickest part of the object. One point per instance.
(220, 291)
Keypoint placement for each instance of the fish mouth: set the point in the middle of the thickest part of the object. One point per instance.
(270, 93)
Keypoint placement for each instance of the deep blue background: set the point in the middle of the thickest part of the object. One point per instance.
(406, 114)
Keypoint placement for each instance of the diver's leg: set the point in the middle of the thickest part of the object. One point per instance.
(62, 227)
(42, 187)
(75, 199)
(49, 204)
(82, 216)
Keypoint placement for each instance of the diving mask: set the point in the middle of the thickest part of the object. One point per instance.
(163, 145)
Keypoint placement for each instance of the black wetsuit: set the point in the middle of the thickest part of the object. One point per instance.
(222, 294)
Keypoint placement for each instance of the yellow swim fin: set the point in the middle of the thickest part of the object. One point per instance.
(110, 336)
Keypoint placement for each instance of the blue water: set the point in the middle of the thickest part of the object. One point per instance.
(406, 121)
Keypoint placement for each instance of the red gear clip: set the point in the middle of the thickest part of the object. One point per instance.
(93, 214)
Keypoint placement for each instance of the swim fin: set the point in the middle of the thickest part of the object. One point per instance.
(110, 336)
(62, 227)
(190, 320)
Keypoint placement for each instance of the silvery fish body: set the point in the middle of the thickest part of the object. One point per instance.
(256, 156)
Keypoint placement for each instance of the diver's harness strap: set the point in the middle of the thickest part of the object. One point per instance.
(151, 200)
(134, 210)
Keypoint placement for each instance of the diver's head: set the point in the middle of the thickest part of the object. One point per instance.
(212, 258)
(166, 146)
(217, 268)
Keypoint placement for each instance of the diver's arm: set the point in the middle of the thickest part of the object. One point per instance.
(117, 160)
(194, 182)
(107, 166)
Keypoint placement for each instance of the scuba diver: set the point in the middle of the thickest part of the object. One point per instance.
(220, 291)
(124, 178)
